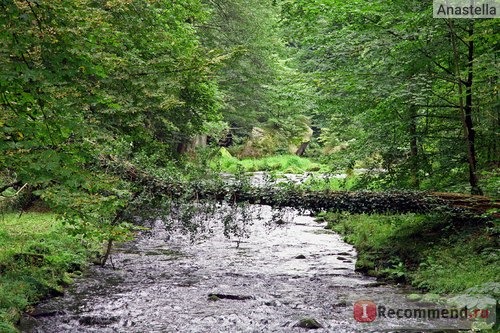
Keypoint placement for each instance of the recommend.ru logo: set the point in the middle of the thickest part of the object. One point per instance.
(433, 315)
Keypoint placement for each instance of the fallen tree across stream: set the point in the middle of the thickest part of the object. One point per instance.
(288, 195)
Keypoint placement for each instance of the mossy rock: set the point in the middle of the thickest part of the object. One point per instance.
(414, 297)
(308, 323)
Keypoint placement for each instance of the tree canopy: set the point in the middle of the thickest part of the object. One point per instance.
(421, 93)
(89, 84)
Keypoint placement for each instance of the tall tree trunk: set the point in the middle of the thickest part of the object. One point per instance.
(466, 106)
(496, 145)
(493, 148)
(412, 130)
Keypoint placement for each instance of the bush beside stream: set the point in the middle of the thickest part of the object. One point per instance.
(432, 252)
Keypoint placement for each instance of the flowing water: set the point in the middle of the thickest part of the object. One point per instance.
(266, 283)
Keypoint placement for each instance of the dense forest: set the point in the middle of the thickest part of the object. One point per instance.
(380, 85)
(102, 102)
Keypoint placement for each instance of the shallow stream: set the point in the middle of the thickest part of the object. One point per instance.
(273, 279)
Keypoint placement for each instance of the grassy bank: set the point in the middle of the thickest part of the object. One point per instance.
(37, 259)
(432, 252)
(278, 163)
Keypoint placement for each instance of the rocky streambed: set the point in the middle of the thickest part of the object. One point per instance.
(290, 277)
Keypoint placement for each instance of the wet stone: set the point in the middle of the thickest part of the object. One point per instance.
(272, 303)
(231, 297)
(342, 304)
(308, 323)
(97, 321)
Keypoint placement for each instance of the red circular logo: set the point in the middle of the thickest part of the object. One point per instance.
(365, 311)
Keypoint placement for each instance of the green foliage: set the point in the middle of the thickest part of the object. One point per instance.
(386, 77)
(97, 98)
(491, 183)
(242, 30)
(476, 258)
(37, 257)
(432, 252)
(332, 182)
(259, 81)
(281, 163)
(81, 85)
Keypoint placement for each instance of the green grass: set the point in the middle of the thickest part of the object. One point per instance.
(350, 182)
(279, 163)
(432, 252)
(37, 259)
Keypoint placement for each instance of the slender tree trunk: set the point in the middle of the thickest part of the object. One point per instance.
(496, 146)
(493, 148)
(466, 106)
(412, 129)
(107, 253)
(116, 220)
(471, 132)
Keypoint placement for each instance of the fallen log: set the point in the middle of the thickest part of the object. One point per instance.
(280, 195)
(371, 202)
(476, 203)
